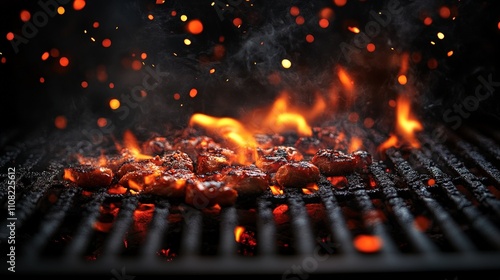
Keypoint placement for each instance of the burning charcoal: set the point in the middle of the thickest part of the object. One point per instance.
(213, 160)
(363, 160)
(330, 136)
(267, 141)
(177, 160)
(137, 179)
(309, 145)
(144, 165)
(270, 160)
(89, 177)
(297, 174)
(156, 146)
(115, 162)
(195, 145)
(246, 180)
(168, 183)
(333, 162)
(171, 183)
(209, 193)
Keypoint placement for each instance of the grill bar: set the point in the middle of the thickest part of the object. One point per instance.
(479, 190)
(449, 227)
(304, 238)
(83, 233)
(229, 222)
(122, 223)
(338, 225)
(192, 231)
(401, 211)
(156, 231)
(472, 153)
(50, 223)
(27, 204)
(266, 229)
(478, 221)
(370, 214)
(486, 143)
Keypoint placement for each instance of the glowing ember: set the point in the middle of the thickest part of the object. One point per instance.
(406, 125)
(238, 231)
(132, 144)
(286, 63)
(367, 243)
(354, 29)
(230, 130)
(276, 190)
(194, 26)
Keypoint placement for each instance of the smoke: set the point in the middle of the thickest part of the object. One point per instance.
(235, 64)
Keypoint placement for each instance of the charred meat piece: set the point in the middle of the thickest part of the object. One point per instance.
(171, 183)
(270, 160)
(195, 145)
(297, 174)
(89, 177)
(334, 162)
(168, 183)
(309, 145)
(152, 166)
(246, 180)
(213, 160)
(202, 194)
(363, 160)
(156, 146)
(330, 136)
(177, 160)
(267, 141)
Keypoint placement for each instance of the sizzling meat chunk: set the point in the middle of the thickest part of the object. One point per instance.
(89, 177)
(156, 146)
(270, 160)
(246, 180)
(203, 194)
(297, 174)
(333, 162)
(167, 183)
(213, 160)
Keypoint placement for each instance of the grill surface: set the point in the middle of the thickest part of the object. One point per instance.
(55, 222)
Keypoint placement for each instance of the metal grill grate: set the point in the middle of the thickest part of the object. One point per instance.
(55, 221)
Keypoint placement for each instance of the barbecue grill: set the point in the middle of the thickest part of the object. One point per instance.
(449, 227)
(427, 205)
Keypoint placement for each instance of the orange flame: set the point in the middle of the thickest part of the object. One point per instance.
(356, 144)
(132, 145)
(353, 29)
(368, 243)
(345, 79)
(68, 176)
(282, 118)
(310, 189)
(231, 130)
(276, 190)
(406, 125)
(238, 231)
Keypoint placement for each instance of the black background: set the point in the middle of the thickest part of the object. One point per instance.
(238, 85)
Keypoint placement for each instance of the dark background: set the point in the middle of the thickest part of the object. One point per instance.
(252, 53)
